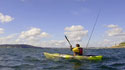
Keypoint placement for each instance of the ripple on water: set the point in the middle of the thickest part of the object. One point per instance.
(30, 58)
(105, 67)
(33, 59)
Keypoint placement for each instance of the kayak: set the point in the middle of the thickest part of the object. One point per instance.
(67, 56)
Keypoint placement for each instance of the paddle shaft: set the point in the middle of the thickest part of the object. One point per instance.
(68, 42)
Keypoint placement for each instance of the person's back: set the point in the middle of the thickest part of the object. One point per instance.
(77, 50)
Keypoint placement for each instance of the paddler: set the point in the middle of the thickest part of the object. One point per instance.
(77, 50)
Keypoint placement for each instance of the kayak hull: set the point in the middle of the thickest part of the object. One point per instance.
(67, 56)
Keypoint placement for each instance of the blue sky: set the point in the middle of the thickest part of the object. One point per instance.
(53, 16)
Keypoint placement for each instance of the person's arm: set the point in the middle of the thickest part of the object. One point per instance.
(74, 53)
(71, 47)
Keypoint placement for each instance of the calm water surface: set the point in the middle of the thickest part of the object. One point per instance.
(33, 59)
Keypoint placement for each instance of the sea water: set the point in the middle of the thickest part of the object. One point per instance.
(33, 59)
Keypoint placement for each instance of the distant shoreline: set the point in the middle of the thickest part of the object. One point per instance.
(30, 46)
(18, 46)
(117, 47)
(121, 45)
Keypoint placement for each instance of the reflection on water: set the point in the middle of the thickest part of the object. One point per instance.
(77, 65)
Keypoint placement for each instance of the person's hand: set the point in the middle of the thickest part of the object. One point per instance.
(70, 45)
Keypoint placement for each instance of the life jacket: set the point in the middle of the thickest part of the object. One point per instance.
(80, 51)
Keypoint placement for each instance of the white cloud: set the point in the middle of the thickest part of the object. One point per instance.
(112, 26)
(33, 33)
(76, 33)
(115, 30)
(32, 36)
(5, 18)
(36, 37)
(10, 39)
(1, 30)
(30, 33)
(104, 43)
(44, 35)
(114, 36)
(110, 42)
(74, 28)
(121, 34)
(54, 43)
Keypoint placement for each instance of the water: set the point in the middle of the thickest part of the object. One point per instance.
(33, 59)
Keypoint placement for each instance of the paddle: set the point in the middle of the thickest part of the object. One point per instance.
(68, 42)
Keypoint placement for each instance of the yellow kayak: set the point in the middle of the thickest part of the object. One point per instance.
(67, 56)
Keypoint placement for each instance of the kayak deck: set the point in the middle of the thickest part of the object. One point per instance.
(67, 56)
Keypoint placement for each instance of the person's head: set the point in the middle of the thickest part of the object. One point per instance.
(77, 45)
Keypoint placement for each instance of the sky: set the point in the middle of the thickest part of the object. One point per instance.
(44, 23)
